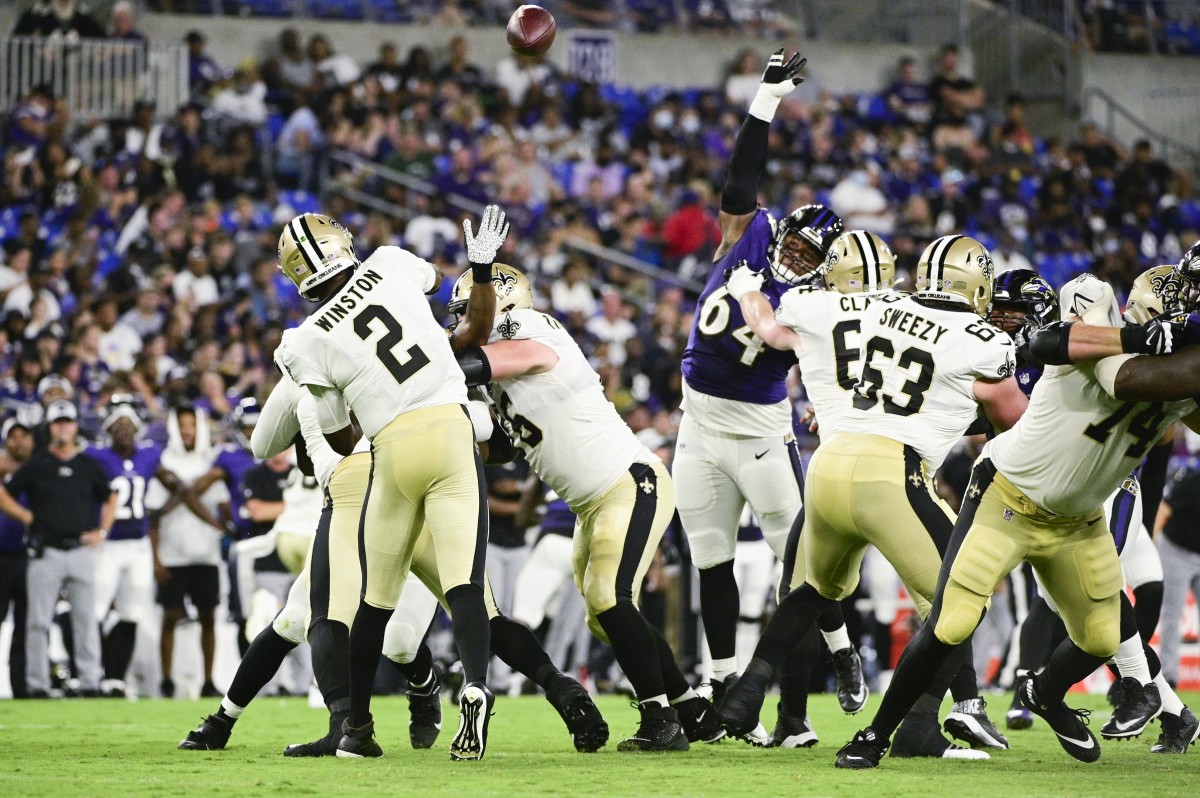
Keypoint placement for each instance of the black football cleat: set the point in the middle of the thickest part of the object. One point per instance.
(1137, 705)
(358, 743)
(920, 736)
(474, 713)
(589, 732)
(968, 721)
(211, 735)
(325, 746)
(425, 711)
(699, 720)
(863, 752)
(1178, 732)
(659, 730)
(792, 732)
(1069, 725)
(743, 700)
(1018, 716)
(852, 688)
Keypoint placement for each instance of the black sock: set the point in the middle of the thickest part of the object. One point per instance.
(926, 667)
(1152, 660)
(515, 644)
(1039, 632)
(1129, 628)
(366, 646)
(419, 670)
(636, 649)
(831, 618)
(472, 631)
(262, 660)
(1068, 664)
(795, 616)
(883, 645)
(118, 649)
(330, 642)
(674, 682)
(795, 673)
(720, 605)
(965, 684)
(1148, 600)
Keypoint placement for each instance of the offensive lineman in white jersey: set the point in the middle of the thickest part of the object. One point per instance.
(374, 345)
(1037, 494)
(929, 363)
(551, 403)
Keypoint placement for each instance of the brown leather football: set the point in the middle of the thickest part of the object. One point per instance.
(531, 30)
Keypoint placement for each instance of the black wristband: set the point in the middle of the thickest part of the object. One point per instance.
(1133, 339)
(475, 365)
(1051, 344)
(481, 272)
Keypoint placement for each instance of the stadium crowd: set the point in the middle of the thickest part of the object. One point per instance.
(139, 254)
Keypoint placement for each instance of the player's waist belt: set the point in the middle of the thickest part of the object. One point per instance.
(1012, 497)
(64, 544)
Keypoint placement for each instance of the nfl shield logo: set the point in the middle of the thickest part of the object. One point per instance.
(1008, 514)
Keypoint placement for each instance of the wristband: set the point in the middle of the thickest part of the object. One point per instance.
(764, 105)
(481, 272)
(1133, 340)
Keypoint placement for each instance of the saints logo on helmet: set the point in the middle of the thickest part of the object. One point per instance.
(312, 249)
(859, 262)
(512, 290)
(1154, 292)
(957, 269)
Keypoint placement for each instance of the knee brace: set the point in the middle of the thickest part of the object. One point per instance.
(290, 623)
(401, 641)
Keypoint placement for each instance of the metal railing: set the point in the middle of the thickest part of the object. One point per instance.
(98, 78)
(1125, 126)
(363, 181)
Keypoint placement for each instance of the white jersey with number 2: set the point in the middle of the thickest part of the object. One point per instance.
(377, 343)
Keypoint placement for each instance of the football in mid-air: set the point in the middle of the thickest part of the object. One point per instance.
(531, 30)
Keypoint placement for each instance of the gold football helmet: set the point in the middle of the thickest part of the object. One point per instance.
(859, 262)
(512, 290)
(957, 269)
(312, 249)
(1152, 291)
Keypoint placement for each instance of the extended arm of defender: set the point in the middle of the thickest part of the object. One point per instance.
(739, 196)
(1167, 378)
(476, 325)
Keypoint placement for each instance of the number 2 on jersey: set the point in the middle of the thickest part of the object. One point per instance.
(417, 359)
(714, 320)
(131, 495)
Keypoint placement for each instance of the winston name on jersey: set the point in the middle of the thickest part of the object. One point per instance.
(377, 342)
(724, 359)
(920, 363)
(129, 477)
(570, 433)
(830, 328)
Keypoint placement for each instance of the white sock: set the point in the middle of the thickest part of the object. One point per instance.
(1130, 660)
(689, 694)
(231, 709)
(723, 667)
(661, 700)
(1170, 701)
(837, 639)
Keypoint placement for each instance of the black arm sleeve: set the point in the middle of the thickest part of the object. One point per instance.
(475, 366)
(740, 194)
(1154, 480)
(1051, 344)
(980, 426)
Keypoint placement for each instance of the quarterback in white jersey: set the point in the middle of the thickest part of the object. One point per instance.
(1036, 494)
(929, 363)
(553, 407)
(374, 344)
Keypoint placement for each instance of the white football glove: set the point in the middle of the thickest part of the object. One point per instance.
(778, 80)
(493, 229)
(743, 281)
(1091, 299)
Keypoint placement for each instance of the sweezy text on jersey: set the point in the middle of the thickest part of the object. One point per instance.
(908, 322)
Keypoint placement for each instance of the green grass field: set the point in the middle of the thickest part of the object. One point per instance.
(118, 748)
